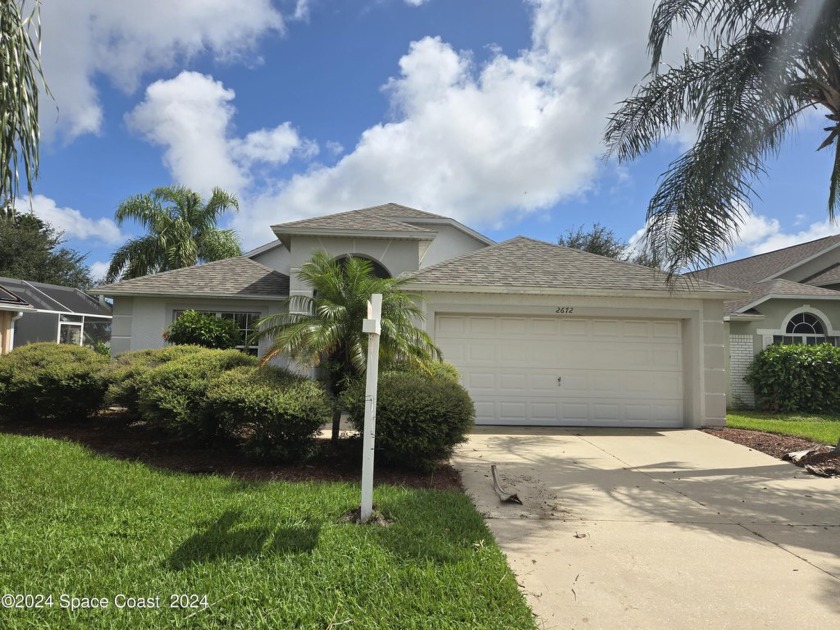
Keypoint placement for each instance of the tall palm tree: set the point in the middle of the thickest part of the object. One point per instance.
(181, 232)
(20, 76)
(764, 64)
(326, 329)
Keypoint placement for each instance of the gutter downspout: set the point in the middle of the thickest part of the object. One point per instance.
(17, 316)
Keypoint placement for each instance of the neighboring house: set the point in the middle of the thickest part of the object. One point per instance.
(542, 335)
(794, 297)
(58, 314)
(12, 309)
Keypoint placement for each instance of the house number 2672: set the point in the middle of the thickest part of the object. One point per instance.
(565, 310)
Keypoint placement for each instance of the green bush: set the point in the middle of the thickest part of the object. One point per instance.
(51, 381)
(274, 413)
(419, 418)
(433, 369)
(173, 396)
(203, 329)
(797, 378)
(126, 370)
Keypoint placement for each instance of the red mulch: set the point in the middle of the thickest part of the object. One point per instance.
(826, 465)
(114, 435)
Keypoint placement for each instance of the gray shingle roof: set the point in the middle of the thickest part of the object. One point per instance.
(748, 271)
(782, 288)
(54, 297)
(384, 218)
(528, 263)
(827, 276)
(231, 277)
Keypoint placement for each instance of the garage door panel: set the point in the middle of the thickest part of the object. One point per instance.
(613, 372)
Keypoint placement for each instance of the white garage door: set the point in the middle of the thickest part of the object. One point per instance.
(567, 371)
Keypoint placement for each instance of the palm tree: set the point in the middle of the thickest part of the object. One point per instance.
(326, 329)
(765, 63)
(20, 74)
(181, 232)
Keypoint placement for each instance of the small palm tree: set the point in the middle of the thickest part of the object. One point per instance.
(181, 232)
(766, 63)
(326, 329)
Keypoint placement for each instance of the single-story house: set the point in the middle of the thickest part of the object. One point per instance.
(541, 334)
(793, 297)
(58, 314)
(12, 308)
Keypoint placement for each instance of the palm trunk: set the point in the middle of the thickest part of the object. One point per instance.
(336, 424)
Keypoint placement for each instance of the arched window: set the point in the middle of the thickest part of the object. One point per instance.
(805, 328)
(378, 269)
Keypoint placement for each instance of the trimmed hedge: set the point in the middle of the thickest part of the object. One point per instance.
(203, 329)
(419, 418)
(274, 413)
(52, 381)
(797, 378)
(173, 395)
(127, 369)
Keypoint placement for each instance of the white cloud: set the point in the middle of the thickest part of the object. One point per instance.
(72, 222)
(98, 269)
(416, 3)
(190, 116)
(483, 143)
(759, 234)
(123, 41)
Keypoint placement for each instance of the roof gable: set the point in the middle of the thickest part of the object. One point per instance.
(747, 272)
(525, 263)
(231, 277)
(779, 288)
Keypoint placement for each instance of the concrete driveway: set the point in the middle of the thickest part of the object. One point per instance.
(658, 529)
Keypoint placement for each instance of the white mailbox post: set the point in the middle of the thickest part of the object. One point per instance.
(373, 327)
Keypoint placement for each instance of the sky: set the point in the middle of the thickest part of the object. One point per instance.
(488, 111)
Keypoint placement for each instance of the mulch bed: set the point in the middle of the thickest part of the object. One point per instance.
(112, 434)
(826, 465)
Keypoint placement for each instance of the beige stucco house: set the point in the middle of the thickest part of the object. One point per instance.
(542, 334)
(793, 297)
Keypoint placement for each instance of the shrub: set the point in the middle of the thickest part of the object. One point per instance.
(419, 418)
(127, 369)
(51, 381)
(432, 369)
(797, 378)
(173, 395)
(203, 329)
(273, 412)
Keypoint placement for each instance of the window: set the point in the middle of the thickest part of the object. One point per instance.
(805, 329)
(245, 321)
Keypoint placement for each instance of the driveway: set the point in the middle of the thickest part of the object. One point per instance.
(658, 529)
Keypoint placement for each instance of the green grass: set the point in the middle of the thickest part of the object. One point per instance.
(265, 555)
(819, 428)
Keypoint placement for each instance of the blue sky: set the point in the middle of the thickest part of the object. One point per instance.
(489, 111)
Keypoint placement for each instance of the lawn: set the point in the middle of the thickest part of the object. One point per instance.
(820, 428)
(235, 554)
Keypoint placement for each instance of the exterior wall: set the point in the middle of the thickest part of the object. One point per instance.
(449, 242)
(139, 322)
(702, 324)
(5, 332)
(276, 258)
(741, 354)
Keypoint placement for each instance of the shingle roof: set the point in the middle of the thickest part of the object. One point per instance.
(827, 276)
(748, 271)
(54, 297)
(383, 218)
(231, 277)
(782, 288)
(528, 263)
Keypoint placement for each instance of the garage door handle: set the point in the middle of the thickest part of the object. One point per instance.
(559, 381)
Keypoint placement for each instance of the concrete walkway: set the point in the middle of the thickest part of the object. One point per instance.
(659, 529)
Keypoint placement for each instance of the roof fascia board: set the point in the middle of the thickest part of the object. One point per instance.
(743, 317)
(334, 233)
(801, 262)
(454, 288)
(204, 296)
